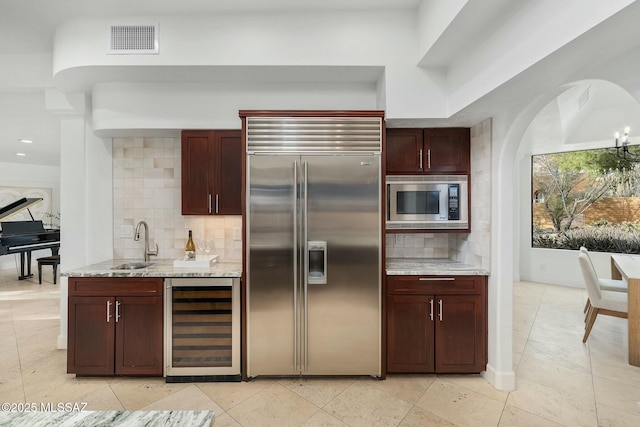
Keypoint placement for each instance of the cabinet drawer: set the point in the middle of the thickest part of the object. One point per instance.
(116, 286)
(441, 285)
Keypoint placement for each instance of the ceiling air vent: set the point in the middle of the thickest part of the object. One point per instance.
(133, 40)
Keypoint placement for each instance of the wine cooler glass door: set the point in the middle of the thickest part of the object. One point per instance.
(202, 327)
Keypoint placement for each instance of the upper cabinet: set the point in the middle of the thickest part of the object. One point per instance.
(211, 172)
(428, 151)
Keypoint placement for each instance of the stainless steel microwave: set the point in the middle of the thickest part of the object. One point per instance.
(428, 202)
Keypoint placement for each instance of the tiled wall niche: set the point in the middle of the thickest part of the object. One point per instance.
(147, 186)
(470, 248)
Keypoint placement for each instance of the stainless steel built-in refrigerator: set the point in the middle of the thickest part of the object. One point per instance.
(313, 247)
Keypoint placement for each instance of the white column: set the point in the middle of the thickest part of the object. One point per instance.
(70, 109)
(86, 219)
(500, 370)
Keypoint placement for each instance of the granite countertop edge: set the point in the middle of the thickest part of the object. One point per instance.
(431, 267)
(165, 268)
(159, 268)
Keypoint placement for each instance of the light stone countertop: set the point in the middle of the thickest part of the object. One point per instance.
(431, 267)
(159, 268)
(165, 268)
(80, 418)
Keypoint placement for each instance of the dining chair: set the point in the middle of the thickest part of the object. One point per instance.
(602, 302)
(612, 285)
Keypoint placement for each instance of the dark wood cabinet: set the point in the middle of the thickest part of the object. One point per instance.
(115, 326)
(410, 334)
(211, 172)
(428, 151)
(447, 150)
(404, 151)
(91, 338)
(436, 324)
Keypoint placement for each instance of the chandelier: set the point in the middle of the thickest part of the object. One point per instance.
(622, 147)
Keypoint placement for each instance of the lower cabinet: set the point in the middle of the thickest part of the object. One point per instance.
(436, 324)
(115, 326)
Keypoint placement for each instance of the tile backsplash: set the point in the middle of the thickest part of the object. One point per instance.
(417, 245)
(147, 186)
(475, 248)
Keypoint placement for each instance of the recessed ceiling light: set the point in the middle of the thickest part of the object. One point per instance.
(21, 154)
(26, 141)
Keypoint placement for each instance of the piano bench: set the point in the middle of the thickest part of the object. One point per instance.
(48, 260)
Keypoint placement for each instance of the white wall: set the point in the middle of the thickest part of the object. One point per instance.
(261, 49)
(24, 175)
(250, 39)
(119, 108)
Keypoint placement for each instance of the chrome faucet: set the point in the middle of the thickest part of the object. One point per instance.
(147, 252)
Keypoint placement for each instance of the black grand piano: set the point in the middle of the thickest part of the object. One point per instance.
(23, 237)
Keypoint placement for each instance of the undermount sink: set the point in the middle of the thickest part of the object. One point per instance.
(131, 266)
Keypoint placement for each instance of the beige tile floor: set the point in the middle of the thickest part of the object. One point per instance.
(560, 381)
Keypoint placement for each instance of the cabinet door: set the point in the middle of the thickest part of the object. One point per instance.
(404, 151)
(410, 333)
(138, 336)
(460, 334)
(197, 180)
(447, 150)
(228, 171)
(90, 335)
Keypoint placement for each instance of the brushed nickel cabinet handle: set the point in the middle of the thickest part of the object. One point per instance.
(436, 279)
(440, 313)
(431, 308)
(420, 157)
(108, 311)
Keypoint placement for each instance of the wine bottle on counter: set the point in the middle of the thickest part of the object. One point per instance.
(190, 248)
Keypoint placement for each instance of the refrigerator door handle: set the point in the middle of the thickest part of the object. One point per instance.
(296, 347)
(305, 331)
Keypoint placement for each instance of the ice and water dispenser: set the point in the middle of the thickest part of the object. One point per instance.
(317, 262)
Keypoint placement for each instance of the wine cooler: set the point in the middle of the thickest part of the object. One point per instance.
(202, 329)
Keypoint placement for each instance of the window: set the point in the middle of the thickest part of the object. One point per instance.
(585, 198)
